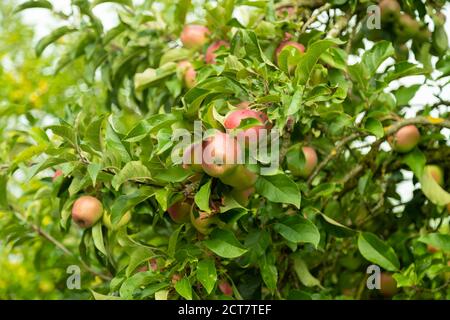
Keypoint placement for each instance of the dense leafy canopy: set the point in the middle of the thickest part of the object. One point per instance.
(101, 107)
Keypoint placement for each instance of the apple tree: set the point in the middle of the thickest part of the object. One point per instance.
(355, 176)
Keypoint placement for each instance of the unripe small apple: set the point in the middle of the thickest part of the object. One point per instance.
(57, 174)
(180, 211)
(240, 178)
(284, 44)
(175, 278)
(250, 135)
(221, 153)
(202, 222)
(122, 222)
(226, 288)
(86, 211)
(388, 285)
(210, 56)
(189, 73)
(192, 157)
(432, 249)
(309, 164)
(406, 27)
(390, 10)
(405, 139)
(243, 196)
(436, 172)
(194, 36)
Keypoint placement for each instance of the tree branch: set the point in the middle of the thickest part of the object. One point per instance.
(314, 16)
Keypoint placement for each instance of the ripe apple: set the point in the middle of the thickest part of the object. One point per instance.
(221, 153)
(388, 285)
(210, 56)
(309, 164)
(202, 221)
(405, 139)
(194, 36)
(390, 10)
(240, 178)
(243, 196)
(175, 278)
(250, 135)
(122, 222)
(226, 288)
(436, 172)
(432, 249)
(192, 157)
(180, 211)
(86, 211)
(189, 73)
(284, 44)
(57, 174)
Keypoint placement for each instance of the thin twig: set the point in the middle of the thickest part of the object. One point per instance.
(314, 16)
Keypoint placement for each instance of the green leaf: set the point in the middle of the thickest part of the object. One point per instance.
(376, 251)
(375, 127)
(373, 58)
(279, 188)
(44, 4)
(184, 289)
(173, 240)
(3, 191)
(438, 240)
(66, 132)
(207, 274)
(123, 2)
(305, 277)
(29, 153)
(416, 161)
(335, 228)
(131, 285)
(151, 77)
(298, 230)
(125, 202)
(93, 170)
(269, 273)
(52, 37)
(138, 257)
(202, 197)
(172, 174)
(133, 170)
(97, 236)
(432, 190)
(309, 59)
(99, 296)
(225, 244)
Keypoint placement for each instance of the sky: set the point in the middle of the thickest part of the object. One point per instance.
(43, 22)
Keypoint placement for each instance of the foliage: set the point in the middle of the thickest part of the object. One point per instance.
(297, 238)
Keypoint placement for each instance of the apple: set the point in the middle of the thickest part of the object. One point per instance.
(175, 278)
(243, 196)
(194, 36)
(432, 249)
(57, 174)
(86, 211)
(388, 285)
(309, 164)
(210, 56)
(406, 27)
(122, 222)
(390, 10)
(226, 288)
(189, 73)
(436, 172)
(202, 221)
(180, 211)
(241, 178)
(192, 157)
(221, 153)
(405, 139)
(250, 135)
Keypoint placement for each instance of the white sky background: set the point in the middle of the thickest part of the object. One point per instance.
(43, 22)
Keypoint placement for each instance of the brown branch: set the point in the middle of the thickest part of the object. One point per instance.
(340, 24)
(56, 243)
